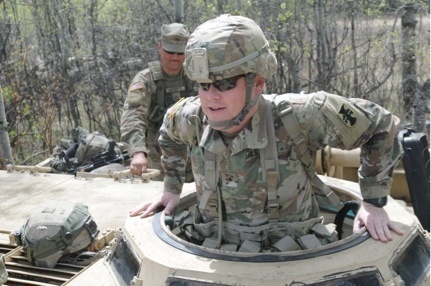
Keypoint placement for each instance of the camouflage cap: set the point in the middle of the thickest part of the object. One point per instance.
(174, 37)
(228, 46)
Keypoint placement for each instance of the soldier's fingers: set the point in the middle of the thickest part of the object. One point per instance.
(357, 225)
(379, 231)
(372, 231)
(136, 169)
(149, 211)
(152, 207)
(138, 209)
(387, 233)
(395, 228)
(169, 208)
(383, 232)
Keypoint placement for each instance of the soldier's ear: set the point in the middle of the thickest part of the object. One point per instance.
(259, 83)
(159, 47)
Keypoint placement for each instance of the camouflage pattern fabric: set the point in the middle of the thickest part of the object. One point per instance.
(53, 231)
(150, 93)
(89, 145)
(229, 46)
(325, 120)
(174, 37)
(136, 129)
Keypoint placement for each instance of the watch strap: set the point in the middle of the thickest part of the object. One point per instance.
(378, 202)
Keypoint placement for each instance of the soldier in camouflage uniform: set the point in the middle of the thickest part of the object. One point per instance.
(229, 127)
(150, 93)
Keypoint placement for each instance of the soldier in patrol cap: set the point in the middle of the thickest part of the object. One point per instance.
(253, 154)
(151, 92)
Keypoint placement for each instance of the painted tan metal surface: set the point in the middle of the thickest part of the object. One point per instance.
(108, 200)
(344, 164)
(167, 261)
(110, 196)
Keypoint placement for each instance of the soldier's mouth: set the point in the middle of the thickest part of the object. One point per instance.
(215, 108)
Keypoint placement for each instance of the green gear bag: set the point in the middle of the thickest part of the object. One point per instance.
(91, 145)
(52, 232)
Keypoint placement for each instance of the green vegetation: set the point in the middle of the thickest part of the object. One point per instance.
(69, 63)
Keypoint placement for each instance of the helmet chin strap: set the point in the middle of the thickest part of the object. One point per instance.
(227, 124)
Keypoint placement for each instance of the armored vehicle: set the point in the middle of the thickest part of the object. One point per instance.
(156, 251)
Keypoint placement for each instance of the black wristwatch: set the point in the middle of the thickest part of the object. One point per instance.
(378, 202)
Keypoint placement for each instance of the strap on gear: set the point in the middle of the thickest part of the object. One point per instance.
(180, 87)
(211, 177)
(285, 112)
(156, 70)
(214, 205)
(249, 103)
(159, 96)
(269, 162)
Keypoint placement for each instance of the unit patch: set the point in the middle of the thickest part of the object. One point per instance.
(347, 116)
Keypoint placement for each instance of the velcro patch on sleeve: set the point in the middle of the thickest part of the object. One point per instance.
(136, 86)
(350, 121)
(347, 115)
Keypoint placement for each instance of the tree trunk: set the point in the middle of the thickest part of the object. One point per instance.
(322, 55)
(5, 150)
(409, 82)
(352, 13)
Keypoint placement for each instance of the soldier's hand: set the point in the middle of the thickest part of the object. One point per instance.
(139, 164)
(167, 200)
(376, 221)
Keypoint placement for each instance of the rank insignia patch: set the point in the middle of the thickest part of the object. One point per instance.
(252, 153)
(347, 116)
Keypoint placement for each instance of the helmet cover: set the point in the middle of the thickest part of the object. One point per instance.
(227, 46)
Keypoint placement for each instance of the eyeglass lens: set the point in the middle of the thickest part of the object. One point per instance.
(173, 53)
(223, 84)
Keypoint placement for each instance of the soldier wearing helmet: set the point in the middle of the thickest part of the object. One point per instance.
(151, 92)
(253, 175)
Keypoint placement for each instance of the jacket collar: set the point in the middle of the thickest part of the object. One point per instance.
(254, 136)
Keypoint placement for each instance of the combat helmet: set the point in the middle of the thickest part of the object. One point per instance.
(228, 46)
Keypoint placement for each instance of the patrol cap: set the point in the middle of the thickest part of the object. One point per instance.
(174, 37)
(228, 46)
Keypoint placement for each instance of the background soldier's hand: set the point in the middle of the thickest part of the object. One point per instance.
(168, 200)
(139, 164)
(376, 221)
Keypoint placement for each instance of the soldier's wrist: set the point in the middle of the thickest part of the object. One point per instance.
(140, 153)
(377, 202)
(172, 185)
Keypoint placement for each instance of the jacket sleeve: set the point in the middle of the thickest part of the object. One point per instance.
(358, 123)
(177, 135)
(134, 122)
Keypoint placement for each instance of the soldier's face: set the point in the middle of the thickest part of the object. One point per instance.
(222, 106)
(172, 63)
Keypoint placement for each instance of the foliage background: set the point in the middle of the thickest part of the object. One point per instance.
(68, 63)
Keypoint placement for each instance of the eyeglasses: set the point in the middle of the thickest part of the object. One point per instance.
(223, 84)
(173, 53)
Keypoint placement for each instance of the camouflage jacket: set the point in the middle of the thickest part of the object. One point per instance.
(150, 94)
(324, 120)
